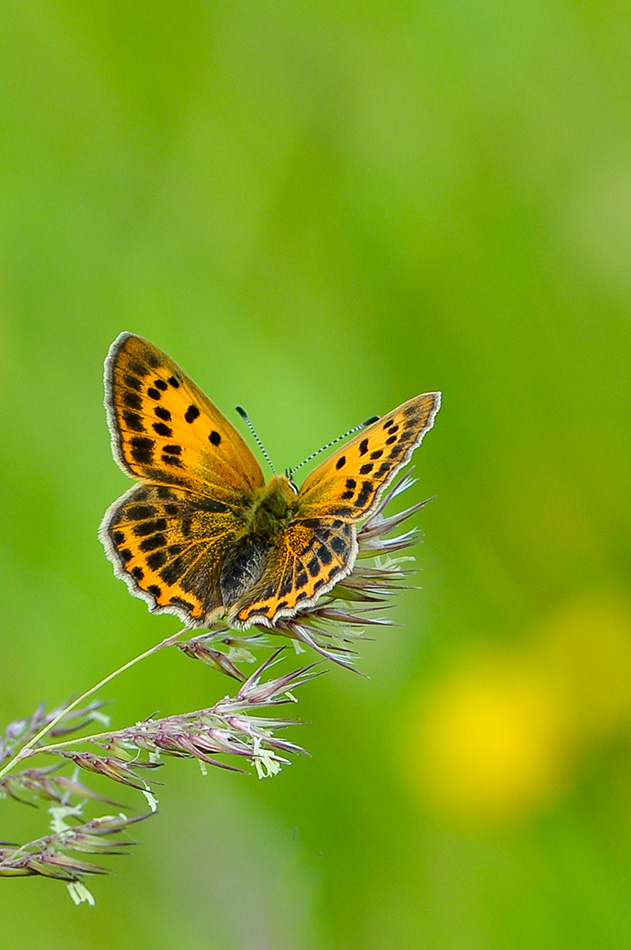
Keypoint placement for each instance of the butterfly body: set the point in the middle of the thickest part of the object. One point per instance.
(271, 510)
(202, 535)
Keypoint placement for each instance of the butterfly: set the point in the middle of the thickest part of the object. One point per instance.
(202, 535)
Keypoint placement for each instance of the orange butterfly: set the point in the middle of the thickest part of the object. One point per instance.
(202, 536)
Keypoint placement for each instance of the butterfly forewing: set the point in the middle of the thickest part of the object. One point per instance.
(170, 546)
(349, 483)
(166, 430)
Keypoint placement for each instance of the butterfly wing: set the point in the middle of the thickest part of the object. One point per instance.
(165, 429)
(349, 484)
(169, 545)
(319, 548)
(307, 560)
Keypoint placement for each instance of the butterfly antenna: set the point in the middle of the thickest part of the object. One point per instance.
(246, 418)
(362, 425)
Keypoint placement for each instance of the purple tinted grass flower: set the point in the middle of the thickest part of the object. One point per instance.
(235, 731)
(29, 785)
(228, 727)
(21, 730)
(55, 855)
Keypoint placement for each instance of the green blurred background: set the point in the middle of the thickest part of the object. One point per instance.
(320, 210)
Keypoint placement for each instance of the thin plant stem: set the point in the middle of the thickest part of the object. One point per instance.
(25, 751)
(67, 744)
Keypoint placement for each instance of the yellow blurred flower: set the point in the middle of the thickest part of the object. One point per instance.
(490, 742)
(503, 733)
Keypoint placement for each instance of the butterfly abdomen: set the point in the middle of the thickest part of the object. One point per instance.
(243, 567)
(245, 563)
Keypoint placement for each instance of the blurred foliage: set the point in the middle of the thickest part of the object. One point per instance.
(320, 210)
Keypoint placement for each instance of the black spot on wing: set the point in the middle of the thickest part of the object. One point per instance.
(140, 512)
(339, 545)
(153, 393)
(214, 438)
(142, 450)
(144, 528)
(207, 504)
(162, 429)
(341, 462)
(157, 560)
(324, 554)
(364, 495)
(172, 572)
(286, 586)
(363, 446)
(138, 368)
(132, 399)
(191, 414)
(133, 382)
(153, 542)
(133, 420)
(160, 384)
(162, 413)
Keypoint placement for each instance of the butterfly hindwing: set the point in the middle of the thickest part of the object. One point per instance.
(307, 560)
(165, 429)
(170, 546)
(349, 483)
